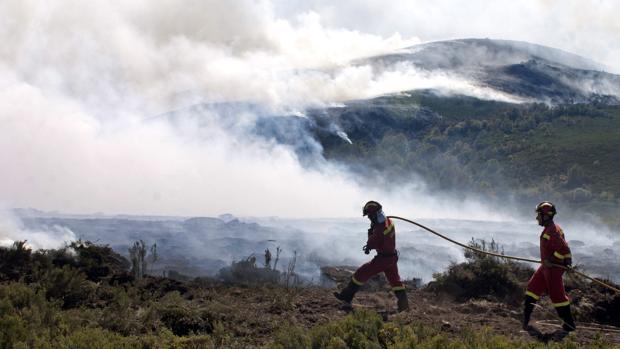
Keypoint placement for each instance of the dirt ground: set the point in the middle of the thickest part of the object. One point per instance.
(266, 309)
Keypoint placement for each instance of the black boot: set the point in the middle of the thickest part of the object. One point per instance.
(402, 301)
(347, 293)
(567, 317)
(528, 307)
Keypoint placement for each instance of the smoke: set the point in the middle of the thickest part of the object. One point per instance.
(144, 58)
(79, 84)
(12, 230)
(588, 29)
(197, 246)
(405, 76)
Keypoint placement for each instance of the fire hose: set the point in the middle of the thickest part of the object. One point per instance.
(568, 269)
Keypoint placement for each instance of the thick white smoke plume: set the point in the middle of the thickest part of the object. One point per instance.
(78, 80)
(11, 230)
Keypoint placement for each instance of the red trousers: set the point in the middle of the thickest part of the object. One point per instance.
(548, 280)
(387, 265)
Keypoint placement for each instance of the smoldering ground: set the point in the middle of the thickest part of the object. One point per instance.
(203, 246)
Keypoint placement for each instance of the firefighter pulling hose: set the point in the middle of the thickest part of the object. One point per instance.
(382, 238)
(555, 260)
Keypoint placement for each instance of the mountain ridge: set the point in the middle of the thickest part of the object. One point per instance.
(498, 64)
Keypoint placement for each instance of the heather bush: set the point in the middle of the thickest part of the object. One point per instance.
(15, 261)
(180, 317)
(247, 272)
(67, 285)
(483, 276)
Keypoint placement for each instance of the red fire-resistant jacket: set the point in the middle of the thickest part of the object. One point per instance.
(382, 237)
(553, 246)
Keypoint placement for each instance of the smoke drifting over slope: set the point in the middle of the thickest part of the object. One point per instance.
(79, 80)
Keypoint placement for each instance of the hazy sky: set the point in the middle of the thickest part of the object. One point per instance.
(81, 80)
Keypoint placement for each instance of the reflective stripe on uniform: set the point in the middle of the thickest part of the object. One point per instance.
(563, 304)
(398, 288)
(568, 255)
(356, 282)
(546, 236)
(557, 255)
(532, 294)
(389, 228)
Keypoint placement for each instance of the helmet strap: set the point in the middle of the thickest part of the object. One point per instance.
(547, 219)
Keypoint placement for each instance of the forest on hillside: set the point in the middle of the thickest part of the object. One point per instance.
(566, 153)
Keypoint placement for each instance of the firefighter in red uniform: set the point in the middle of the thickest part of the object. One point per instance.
(382, 238)
(556, 257)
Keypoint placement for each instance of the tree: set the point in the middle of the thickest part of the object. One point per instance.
(275, 264)
(139, 260)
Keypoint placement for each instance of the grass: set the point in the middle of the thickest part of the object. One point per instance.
(364, 329)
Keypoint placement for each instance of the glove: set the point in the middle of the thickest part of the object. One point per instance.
(366, 249)
(568, 263)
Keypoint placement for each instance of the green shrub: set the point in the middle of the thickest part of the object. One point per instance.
(246, 272)
(67, 285)
(483, 276)
(359, 330)
(27, 319)
(291, 337)
(98, 261)
(97, 338)
(15, 261)
(180, 317)
(195, 342)
(13, 330)
(364, 329)
(17, 295)
(119, 316)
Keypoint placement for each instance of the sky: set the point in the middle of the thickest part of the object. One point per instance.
(81, 84)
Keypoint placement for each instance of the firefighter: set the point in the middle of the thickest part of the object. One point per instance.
(382, 238)
(556, 257)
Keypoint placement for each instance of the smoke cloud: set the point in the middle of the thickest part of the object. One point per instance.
(12, 230)
(80, 84)
(588, 29)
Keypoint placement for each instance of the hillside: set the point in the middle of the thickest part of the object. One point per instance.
(563, 150)
(87, 298)
(530, 72)
(463, 145)
(558, 143)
